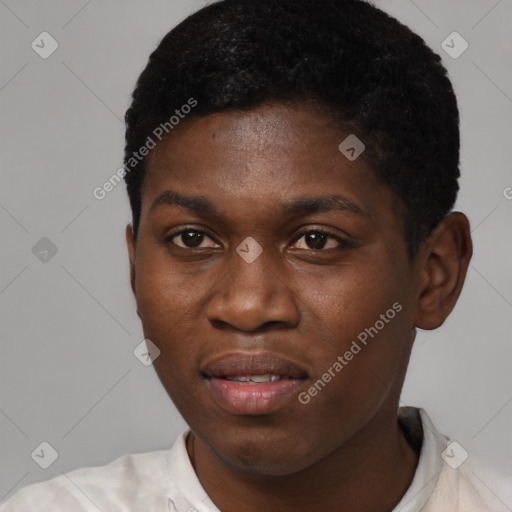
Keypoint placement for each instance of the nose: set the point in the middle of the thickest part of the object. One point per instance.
(251, 296)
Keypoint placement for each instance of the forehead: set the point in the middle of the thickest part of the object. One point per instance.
(253, 165)
(289, 147)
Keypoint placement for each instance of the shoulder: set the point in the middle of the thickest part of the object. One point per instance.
(461, 481)
(127, 480)
(472, 488)
(448, 478)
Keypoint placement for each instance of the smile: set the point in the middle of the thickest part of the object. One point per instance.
(256, 379)
(253, 383)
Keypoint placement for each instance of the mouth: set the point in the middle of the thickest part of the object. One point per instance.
(253, 383)
(256, 379)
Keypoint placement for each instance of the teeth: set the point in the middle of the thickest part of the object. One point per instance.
(256, 378)
(265, 378)
(239, 379)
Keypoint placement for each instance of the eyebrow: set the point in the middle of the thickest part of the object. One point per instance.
(309, 205)
(298, 206)
(198, 204)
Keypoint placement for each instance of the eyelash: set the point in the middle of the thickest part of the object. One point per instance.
(343, 244)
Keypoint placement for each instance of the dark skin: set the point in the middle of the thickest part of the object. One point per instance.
(306, 297)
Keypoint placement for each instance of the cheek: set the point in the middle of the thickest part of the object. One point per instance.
(166, 295)
(359, 315)
(344, 301)
(169, 306)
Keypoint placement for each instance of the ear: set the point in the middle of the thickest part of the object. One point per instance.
(443, 260)
(130, 243)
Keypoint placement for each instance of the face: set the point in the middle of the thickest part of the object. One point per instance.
(264, 252)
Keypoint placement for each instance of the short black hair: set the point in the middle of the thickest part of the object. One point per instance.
(375, 77)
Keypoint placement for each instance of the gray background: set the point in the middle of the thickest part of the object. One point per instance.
(68, 375)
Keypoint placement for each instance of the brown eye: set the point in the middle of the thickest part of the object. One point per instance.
(318, 240)
(190, 239)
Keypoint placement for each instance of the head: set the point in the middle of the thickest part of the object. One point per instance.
(257, 244)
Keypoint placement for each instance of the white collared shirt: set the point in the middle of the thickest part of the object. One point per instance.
(165, 481)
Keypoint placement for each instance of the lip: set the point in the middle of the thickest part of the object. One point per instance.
(249, 398)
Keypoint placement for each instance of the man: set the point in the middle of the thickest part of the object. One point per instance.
(291, 168)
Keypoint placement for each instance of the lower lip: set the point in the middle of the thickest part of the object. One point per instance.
(253, 399)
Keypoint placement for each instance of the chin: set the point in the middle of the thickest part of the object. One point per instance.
(261, 455)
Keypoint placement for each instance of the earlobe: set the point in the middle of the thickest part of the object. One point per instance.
(130, 244)
(445, 259)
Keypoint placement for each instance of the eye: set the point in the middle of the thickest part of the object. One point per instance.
(318, 240)
(193, 238)
(190, 239)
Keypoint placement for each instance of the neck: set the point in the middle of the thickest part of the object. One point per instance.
(369, 473)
